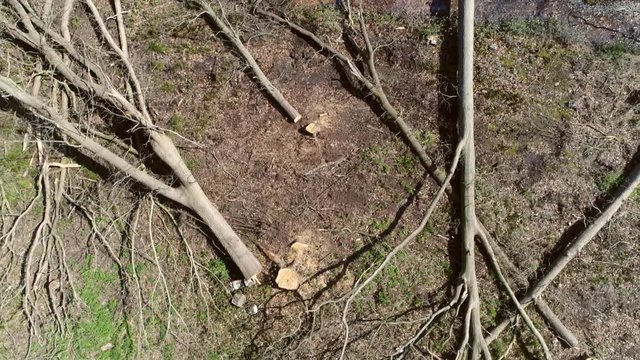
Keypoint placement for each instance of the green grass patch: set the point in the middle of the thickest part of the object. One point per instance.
(427, 139)
(610, 182)
(382, 297)
(616, 50)
(523, 27)
(102, 323)
(168, 87)
(177, 123)
(321, 19)
(406, 162)
(13, 163)
(378, 158)
(430, 28)
(14, 160)
(157, 47)
(486, 32)
(158, 65)
(218, 268)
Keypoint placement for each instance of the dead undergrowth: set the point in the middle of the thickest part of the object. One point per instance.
(96, 266)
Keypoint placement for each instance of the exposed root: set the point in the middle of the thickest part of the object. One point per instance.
(170, 307)
(142, 333)
(496, 266)
(103, 89)
(193, 266)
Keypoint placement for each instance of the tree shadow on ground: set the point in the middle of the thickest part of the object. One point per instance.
(447, 116)
(590, 214)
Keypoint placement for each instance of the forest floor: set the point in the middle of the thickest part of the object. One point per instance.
(557, 129)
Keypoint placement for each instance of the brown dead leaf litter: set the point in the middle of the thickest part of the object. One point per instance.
(552, 126)
(557, 123)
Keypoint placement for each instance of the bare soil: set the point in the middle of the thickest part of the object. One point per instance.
(551, 124)
(557, 126)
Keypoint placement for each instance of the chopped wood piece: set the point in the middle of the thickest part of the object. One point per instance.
(235, 285)
(253, 309)
(298, 246)
(311, 129)
(238, 299)
(287, 279)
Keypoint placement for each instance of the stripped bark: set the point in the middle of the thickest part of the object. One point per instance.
(472, 323)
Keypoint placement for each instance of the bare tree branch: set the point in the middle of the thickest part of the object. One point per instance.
(275, 94)
(623, 193)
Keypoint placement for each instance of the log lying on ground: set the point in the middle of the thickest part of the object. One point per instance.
(623, 193)
(101, 88)
(275, 94)
(472, 324)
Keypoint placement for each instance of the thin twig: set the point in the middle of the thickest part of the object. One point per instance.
(402, 244)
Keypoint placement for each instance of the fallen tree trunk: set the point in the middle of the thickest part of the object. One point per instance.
(99, 87)
(275, 94)
(189, 195)
(623, 193)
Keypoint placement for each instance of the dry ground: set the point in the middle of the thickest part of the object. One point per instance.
(558, 123)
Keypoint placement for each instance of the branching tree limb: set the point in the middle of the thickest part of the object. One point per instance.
(472, 324)
(622, 194)
(103, 88)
